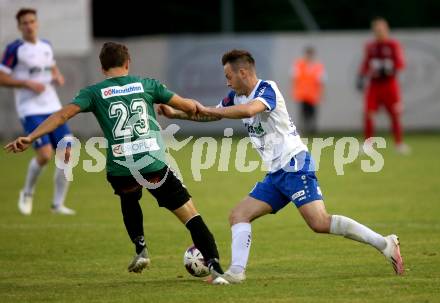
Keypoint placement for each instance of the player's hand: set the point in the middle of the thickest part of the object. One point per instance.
(166, 110)
(59, 79)
(36, 87)
(201, 109)
(207, 112)
(18, 145)
(360, 83)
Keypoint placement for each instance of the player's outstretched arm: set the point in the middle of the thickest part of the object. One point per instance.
(207, 114)
(185, 109)
(185, 105)
(239, 111)
(171, 113)
(50, 124)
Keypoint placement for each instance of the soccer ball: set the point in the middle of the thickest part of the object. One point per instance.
(195, 263)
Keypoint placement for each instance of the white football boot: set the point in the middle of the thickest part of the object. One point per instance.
(219, 281)
(216, 271)
(139, 262)
(234, 278)
(392, 253)
(25, 203)
(63, 210)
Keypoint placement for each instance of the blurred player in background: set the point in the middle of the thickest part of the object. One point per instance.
(308, 78)
(124, 107)
(291, 176)
(383, 60)
(29, 67)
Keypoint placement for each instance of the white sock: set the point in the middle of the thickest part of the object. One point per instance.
(61, 187)
(351, 229)
(241, 245)
(33, 172)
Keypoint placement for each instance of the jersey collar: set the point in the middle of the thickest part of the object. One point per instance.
(251, 95)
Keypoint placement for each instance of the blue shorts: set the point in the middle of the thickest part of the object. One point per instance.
(296, 182)
(31, 122)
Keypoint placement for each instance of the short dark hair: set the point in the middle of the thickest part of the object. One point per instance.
(25, 11)
(113, 55)
(238, 56)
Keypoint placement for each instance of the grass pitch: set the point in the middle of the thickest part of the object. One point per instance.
(49, 258)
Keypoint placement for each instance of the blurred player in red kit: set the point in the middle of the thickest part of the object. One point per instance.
(383, 60)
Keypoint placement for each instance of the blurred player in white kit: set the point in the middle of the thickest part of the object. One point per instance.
(28, 66)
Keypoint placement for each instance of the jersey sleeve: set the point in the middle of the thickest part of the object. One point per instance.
(266, 94)
(10, 59)
(84, 100)
(161, 93)
(53, 62)
(228, 100)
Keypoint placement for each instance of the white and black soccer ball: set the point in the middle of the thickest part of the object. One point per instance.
(195, 263)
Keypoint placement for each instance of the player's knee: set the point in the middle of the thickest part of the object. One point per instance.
(320, 224)
(43, 159)
(232, 218)
(44, 154)
(130, 195)
(238, 216)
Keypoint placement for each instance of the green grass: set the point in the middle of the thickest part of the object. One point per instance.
(48, 258)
